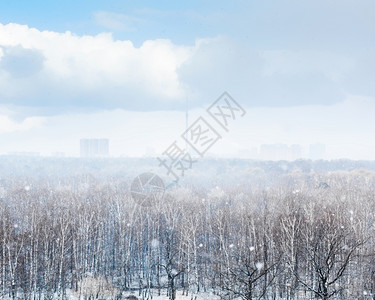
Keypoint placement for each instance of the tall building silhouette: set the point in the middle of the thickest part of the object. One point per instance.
(281, 152)
(94, 147)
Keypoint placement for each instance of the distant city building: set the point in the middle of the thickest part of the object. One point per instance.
(317, 151)
(94, 147)
(280, 152)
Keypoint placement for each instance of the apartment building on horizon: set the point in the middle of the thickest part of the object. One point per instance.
(94, 147)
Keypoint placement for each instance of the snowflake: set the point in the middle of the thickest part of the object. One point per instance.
(259, 265)
(154, 243)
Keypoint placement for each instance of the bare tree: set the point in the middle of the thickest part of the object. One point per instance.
(331, 249)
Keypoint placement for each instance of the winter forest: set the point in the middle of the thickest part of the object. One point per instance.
(260, 230)
(187, 150)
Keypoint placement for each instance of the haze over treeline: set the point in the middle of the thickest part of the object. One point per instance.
(283, 231)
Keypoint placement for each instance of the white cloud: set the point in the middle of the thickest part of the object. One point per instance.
(8, 125)
(64, 71)
(95, 71)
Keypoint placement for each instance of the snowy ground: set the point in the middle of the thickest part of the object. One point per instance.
(153, 296)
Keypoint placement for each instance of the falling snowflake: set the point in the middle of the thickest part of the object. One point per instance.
(154, 243)
(259, 265)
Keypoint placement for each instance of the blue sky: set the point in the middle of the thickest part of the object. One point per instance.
(63, 59)
(179, 21)
(301, 24)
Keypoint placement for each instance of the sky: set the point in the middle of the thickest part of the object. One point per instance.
(127, 70)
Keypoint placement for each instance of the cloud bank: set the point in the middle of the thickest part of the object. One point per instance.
(62, 72)
(49, 69)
